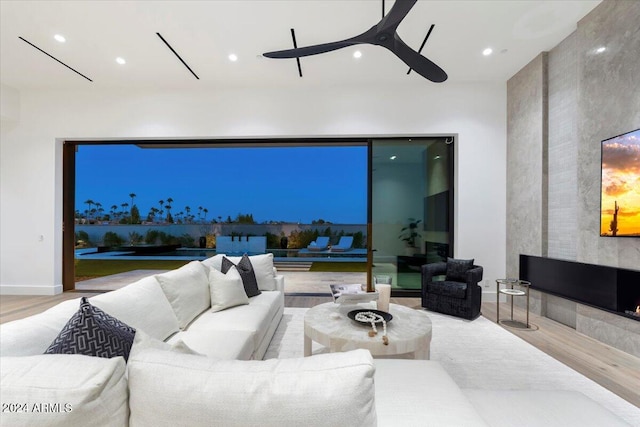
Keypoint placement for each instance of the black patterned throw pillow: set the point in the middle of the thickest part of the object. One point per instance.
(457, 269)
(92, 332)
(246, 273)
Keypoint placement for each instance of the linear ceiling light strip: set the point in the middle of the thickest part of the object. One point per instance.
(54, 58)
(424, 42)
(295, 46)
(176, 54)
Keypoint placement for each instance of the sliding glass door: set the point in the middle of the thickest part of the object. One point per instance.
(411, 208)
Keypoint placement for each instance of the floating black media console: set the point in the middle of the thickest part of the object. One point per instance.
(609, 288)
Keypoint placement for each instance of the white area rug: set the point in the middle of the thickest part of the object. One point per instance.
(478, 355)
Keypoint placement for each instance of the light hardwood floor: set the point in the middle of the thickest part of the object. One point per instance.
(615, 370)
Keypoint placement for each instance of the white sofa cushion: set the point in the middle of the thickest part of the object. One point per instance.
(187, 290)
(249, 318)
(222, 344)
(226, 289)
(428, 397)
(64, 390)
(143, 341)
(33, 335)
(263, 269)
(548, 408)
(141, 305)
(325, 390)
(214, 262)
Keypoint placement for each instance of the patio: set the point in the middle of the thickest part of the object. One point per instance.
(296, 282)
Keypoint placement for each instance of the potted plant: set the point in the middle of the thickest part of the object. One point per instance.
(409, 235)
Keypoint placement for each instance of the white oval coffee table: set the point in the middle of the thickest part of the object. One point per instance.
(409, 331)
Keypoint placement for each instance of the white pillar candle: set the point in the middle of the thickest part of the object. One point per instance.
(384, 294)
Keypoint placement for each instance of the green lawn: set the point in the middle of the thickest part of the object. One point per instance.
(88, 268)
(342, 267)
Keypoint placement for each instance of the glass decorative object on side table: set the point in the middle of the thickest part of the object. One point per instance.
(510, 291)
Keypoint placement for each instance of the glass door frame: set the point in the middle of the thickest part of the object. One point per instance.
(68, 184)
(450, 141)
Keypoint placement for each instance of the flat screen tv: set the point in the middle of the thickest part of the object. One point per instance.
(620, 189)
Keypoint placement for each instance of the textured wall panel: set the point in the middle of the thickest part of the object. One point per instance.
(563, 150)
(526, 133)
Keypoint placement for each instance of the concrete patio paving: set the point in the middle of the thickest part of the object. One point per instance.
(295, 282)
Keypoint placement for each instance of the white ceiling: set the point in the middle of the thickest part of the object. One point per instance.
(204, 33)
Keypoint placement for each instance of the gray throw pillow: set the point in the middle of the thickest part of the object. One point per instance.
(92, 332)
(457, 269)
(247, 274)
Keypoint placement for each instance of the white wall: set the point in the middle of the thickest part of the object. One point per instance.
(30, 152)
(9, 104)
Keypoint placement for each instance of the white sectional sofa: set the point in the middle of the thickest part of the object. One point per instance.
(191, 366)
(242, 332)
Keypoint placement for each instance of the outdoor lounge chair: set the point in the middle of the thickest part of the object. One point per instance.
(343, 245)
(320, 244)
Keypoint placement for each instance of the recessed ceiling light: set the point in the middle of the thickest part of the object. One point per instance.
(601, 49)
(120, 60)
(392, 157)
(436, 158)
(233, 57)
(357, 54)
(60, 38)
(488, 51)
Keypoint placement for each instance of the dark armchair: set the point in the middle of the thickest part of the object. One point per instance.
(458, 294)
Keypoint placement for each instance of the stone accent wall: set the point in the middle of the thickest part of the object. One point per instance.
(608, 105)
(563, 150)
(526, 136)
(591, 97)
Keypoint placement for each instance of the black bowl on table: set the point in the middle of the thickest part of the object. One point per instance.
(386, 316)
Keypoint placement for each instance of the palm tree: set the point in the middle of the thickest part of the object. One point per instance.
(188, 209)
(90, 203)
(199, 213)
(152, 214)
(124, 208)
(168, 208)
(99, 209)
(206, 211)
(133, 196)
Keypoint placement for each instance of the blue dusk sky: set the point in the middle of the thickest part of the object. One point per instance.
(297, 184)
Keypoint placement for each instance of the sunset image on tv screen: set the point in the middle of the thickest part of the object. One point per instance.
(620, 200)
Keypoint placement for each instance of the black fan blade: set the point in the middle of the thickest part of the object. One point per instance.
(398, 11)
(311, 50)
(421, 65)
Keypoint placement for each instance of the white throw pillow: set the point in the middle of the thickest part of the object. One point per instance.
(214, 262)
(187, 290)
(141, 305)
(227, 289)
(324, 390)
(64, 390)
(263, 269)
(143, 341)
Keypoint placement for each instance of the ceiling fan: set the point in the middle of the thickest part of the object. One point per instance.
(382, 34)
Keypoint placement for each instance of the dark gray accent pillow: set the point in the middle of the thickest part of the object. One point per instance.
(457, 269)
(246, 273)
(92, 332)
